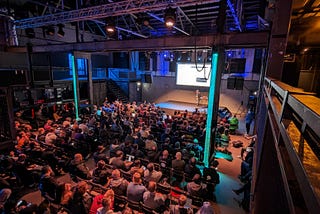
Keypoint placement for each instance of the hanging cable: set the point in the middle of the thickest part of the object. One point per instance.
(195, 48)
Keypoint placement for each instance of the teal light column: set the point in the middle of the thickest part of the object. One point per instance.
(75, 83)
(211, 101)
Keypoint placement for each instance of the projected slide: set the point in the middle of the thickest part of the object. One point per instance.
(187, 74)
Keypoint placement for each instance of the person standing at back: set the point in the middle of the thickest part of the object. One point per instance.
(249, 118)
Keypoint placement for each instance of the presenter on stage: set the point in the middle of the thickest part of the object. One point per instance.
(198, 97)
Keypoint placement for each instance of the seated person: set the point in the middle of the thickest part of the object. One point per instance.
(150, 174)
(49, 186)
(196, 187)
(137, 167)
(206, 208)
(181, 206)
(21, 171)
(178, 163)
(164, 159)
(97, 201)
(153, 199)
(4, 195)
(100, 154)
(66, 194)
(135, 188)
(79, 168)
(106, 207)
(136, 152)
(81, 200)
(117, 183)
(117, 162)
(191, 169)
(100, 173)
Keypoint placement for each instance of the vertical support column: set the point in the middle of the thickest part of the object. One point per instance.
(9, 95)
(90, 84)
(134, 60)
(217, 66)
(75, 84)
(278, 38)
(30, 69)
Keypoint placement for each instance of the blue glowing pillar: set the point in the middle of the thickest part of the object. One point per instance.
(211, 107)
(75, 88)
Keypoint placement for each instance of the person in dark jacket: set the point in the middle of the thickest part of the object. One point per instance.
(117, 183)
(81, 200)
(48, 185)
(212, 178)
(78, 167)
(191, 169)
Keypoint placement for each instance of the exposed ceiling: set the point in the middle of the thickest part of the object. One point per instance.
(305, 24)
(136, 19)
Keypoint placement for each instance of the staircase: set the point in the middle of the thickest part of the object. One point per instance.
(114, 91)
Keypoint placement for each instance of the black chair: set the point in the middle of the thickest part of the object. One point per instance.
(144, 162)
(196, 201)
(120, 202)
(126, 175)
(147, 210)
(164, 189)
(133, 205)
(178, 175)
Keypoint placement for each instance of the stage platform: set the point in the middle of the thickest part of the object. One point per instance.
(181, 106)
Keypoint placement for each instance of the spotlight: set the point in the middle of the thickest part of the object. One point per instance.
(169, 17)
(60, 30)
(50, 30)
(110, 27)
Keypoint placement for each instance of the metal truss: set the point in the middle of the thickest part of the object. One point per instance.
(234, 15)
(105, 10)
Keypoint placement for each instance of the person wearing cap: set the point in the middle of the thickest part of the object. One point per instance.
(135, 189)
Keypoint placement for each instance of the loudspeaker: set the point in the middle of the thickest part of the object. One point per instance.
(146, 78)
(235, 83)
(239, 83)
(231, 81)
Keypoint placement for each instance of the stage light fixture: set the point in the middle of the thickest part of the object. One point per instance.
(50, 30)
(60, 32)
(110, 27)
(170, 17)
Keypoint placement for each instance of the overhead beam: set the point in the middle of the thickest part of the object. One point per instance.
(254, 39)
(103, 11)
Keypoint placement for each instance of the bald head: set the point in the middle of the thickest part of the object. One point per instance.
(152, 186)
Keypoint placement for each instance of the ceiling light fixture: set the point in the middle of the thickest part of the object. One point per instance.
(60, 30)
(110, 27)
(50, 30)
(170, 17)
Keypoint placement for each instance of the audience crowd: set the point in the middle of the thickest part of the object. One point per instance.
(145, 160)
